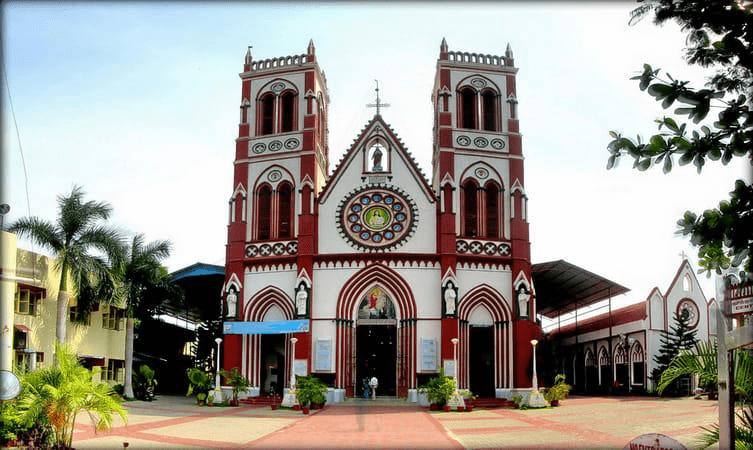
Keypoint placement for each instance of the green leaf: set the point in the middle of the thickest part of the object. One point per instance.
(667, 165)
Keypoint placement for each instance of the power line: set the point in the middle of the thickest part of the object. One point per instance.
(18, 137)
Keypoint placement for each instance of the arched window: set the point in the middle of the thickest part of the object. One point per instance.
(267, 113)
(287, 118)
(285, 213)
(489, 110)
(470, 209)
(467, 108)
(265, 213)
(492, 210)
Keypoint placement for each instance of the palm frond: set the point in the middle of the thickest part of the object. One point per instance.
(41, 232)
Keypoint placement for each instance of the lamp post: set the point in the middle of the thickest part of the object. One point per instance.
(292, 362)
(455, 358)
(535, 379)
(217, 388)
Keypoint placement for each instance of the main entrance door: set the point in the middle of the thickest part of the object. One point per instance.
(272, 363)
(481, 360)
(376, 343)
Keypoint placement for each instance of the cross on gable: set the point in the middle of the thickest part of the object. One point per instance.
(378, 103)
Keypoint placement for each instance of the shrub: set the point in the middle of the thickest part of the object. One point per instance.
(439, 389)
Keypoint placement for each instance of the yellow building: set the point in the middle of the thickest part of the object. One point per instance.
(29, 285)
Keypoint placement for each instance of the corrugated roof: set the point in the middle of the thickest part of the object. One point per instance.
(621, 316)
(562, 287)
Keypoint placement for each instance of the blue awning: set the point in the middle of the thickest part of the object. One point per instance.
(281, 327)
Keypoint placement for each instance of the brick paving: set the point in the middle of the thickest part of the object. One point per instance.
(580, 423)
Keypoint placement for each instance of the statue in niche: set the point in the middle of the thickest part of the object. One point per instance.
(449, 299)
(523, 297)
(232, 302)
(376, 157)
(301, 298)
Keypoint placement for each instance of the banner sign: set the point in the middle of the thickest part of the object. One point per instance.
(281, 327)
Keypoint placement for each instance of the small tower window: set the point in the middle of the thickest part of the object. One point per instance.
(470, 209)
(467, 108)
(285, 203)
(265, 213)
(267, 114)
(492, 210)
(488, 103)
(287, 119)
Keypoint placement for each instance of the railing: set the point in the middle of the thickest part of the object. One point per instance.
(476, 58)
(282, 61)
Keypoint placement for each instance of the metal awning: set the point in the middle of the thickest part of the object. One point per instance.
(562, 287)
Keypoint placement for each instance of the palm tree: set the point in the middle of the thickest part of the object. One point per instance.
(143, 285)
(52, 397)
(81, 246)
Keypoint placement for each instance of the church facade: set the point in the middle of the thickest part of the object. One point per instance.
(373, 269)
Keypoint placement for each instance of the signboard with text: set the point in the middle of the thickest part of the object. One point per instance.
(279, 327)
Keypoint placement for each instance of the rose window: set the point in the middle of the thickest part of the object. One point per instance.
(377, 218)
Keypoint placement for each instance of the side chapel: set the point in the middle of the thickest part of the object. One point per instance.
(372, 268)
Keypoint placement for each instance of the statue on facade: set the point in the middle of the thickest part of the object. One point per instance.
(523, 297)
(376, 157)
(301, 298)
(232, 302)
(449, 299)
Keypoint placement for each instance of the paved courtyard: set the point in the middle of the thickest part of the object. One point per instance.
(579, 423)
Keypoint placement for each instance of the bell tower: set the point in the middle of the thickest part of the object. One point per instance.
(281, 163)
(477, 167)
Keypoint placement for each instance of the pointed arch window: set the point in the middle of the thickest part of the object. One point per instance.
(470, 208)
(287, 116)
(492, 210)
(489, 110)
(265, 213)
(285, 204)
(467, 112)
(267, 114)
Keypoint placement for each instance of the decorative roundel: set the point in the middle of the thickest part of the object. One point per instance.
(259, 148)
(275, 145)
(277, 87)
(478, 83)
(498, 144)
(463, 141)
(481, 173)
(690, 309)
(480, 142)
(292, 143)
(377, 218)
(274, 176)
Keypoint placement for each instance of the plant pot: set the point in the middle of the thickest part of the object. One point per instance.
(433, 407)
(296, 407)
(460, 409)
(305, 409)
(555, 403)
(274, 406)
(446, 408)
(233, 402)
(469, 408)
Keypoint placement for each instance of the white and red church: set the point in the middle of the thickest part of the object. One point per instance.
(372, 268)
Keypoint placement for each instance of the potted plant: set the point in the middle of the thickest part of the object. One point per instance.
(237, 381)
(438, 390)
(517, 399)
(557, 392)
(308, 390)
(144, 383)
(210, 400)
(199, 383)
(468, 399)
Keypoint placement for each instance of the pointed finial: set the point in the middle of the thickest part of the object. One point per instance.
(248, 55)
(311, 49)
(683, 255)
(443, 46)
(508, 52)
(378, 103)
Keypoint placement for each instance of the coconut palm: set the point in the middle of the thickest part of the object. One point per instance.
(81, 245)
(52, 397)
(143, 285)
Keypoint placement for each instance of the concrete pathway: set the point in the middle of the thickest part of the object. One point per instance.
(581, 422)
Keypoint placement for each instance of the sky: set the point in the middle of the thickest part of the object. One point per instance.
(138, 104)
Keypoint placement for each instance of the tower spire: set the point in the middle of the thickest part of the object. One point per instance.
(249, 57)
(378, 103)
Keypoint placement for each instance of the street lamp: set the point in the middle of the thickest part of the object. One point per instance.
(455, 357)
(217, 388)
(292, 362)
(535, 379)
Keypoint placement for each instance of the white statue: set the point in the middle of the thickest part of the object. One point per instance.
(232, 301)
(523, 297)
(449, 299)
(300, 300)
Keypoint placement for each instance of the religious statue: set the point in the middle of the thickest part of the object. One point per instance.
(449, 299)
(300, 300)
(376, 157)
(232, 301)
(523, 297)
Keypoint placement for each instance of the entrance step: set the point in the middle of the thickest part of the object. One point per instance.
(261, 400)
(492, 402)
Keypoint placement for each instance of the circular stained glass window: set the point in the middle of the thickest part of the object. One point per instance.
(377, 218)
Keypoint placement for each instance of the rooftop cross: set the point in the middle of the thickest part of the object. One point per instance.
(378, 104)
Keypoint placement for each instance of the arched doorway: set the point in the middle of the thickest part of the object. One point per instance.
(481, 352)
(376, 343)
(272, 351)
